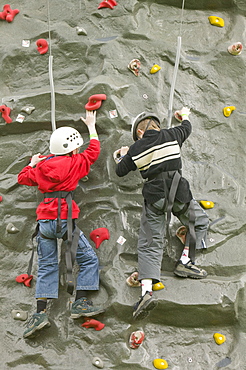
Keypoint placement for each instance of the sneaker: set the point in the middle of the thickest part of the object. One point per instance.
(189, 270)
(143, 306)
(38, 321)
(84, 307)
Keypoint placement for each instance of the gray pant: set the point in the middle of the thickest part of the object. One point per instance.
(150, 252)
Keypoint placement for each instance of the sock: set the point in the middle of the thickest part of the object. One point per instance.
(185, 255)
(146, 286)
(41, 304)
(80, 294)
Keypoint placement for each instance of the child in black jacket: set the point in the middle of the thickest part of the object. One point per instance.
(156, 153)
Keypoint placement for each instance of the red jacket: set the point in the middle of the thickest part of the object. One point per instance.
(59, 173)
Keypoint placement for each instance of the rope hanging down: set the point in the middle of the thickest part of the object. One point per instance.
(176, 66)
(52, 90)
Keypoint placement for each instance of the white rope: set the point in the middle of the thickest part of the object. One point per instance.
(52, 89)
(176, 66)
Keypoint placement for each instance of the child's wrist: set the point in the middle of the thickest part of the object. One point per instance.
(94, 135)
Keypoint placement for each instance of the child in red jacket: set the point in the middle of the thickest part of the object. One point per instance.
(56, 176)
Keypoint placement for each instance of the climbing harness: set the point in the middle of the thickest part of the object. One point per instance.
(52, 89)
(71, 237)
(176, 66)
(169, 196)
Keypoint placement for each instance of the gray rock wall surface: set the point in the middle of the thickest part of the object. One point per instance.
(181, 328)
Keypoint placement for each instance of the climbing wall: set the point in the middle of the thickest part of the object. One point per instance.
(91, 49)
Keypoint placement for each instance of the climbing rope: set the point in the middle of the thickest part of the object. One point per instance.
(52, 89)
(176, 66)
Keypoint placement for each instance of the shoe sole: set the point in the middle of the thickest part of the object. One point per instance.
(84, 314)
(145, 310)
(189, 275)
(37, 328)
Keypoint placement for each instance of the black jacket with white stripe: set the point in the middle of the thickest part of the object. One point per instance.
(157, 152)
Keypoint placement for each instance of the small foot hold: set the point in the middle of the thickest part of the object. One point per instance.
(235, 49)
(136, 338)
(134, 66)
(132, 280)
(96, 361)
(181, 234)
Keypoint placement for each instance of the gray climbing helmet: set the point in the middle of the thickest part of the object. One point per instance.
(142, 116)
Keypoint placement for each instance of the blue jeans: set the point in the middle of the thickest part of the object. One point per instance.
(48, 268)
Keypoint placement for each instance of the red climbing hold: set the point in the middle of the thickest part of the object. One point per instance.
(99, 235)
(25, 279)
(8, 14)
(42, 46)
(95, 101)
(1, 198)
(5, 113)
(107, 4)
(92, 323)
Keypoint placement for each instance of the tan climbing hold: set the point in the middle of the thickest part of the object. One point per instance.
(235, 49)
(228, 110)
(181, 234)
(207, 204)
(216, 21)
(219, 338)
(132, 280)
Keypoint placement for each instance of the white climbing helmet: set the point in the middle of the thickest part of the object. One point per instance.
(142, 116)
(64, 140)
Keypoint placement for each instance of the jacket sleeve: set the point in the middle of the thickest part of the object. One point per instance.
(93, 151)
(125, 166)
(85, 159)
(27, 176)
(183, 131)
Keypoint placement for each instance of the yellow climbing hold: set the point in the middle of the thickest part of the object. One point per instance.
(155, 68)
(228, 110)
(207, 204)
(216, 21)
(158, 286)
(219, 338)
(159, 363)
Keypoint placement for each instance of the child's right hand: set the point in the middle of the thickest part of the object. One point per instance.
(90, 119)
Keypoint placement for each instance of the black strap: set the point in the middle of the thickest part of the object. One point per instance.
(169, 200)
(191, 234)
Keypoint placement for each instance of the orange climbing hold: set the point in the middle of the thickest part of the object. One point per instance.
(5, 113)
(8, 14)
(42, 46)
(99, 235)
(95, 101)
(92, 323)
